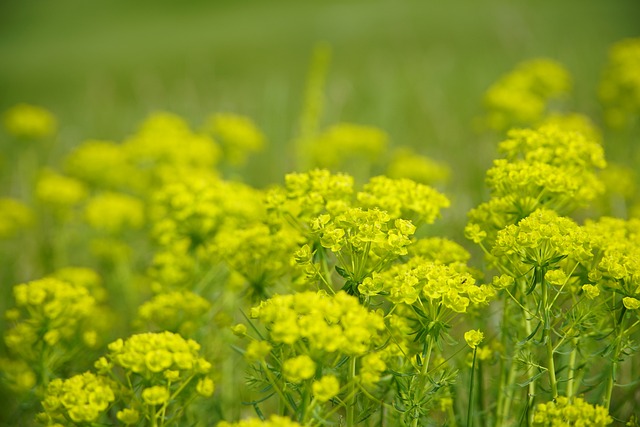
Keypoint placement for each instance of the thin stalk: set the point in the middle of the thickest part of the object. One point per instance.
(547, 336)
(424, 371)
(351, 407)
(470, 406)
(571, 368)
(614, 363)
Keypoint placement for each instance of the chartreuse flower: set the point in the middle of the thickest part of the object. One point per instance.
(51, 314)
(114, 213)
(308, 195)
(238, 135)
(318, 347)
(164, 141)
(346, 143)
(549, 167)
(326, 388)
(570, 412)
(619, 90)
(440, 250)
(407, 164)
(104, 165)
(403, 198)
(521, 97)
(29, 121)
(178, 311)
(428, 284)
(194, 208)
(15, 216)
(273, 421)
(473, 338)
(259, 253)
(363, 241)
(158, 375)
(17, 375)
(80, 399)
(59, 192)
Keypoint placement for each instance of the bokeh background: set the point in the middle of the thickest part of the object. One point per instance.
(417, 69)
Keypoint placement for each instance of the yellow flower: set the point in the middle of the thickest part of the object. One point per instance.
(155, 395)
(298, 368)
(205, 387)
(473, 338)
(128, 416)
(257, 351)
(29, 121)
(631, 303)
(326, 388)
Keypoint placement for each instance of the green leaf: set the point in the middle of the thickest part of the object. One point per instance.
(342, 272)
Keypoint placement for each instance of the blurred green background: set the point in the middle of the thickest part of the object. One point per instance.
(415, 68)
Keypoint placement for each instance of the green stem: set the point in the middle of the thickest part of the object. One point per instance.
(351, 407)
(547, 336)
(572, 368)
(470, 407)
(614, 363)
(424, 371)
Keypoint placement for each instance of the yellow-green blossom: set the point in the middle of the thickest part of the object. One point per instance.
(403, 198)
(298, 368)
(177, 311)
(324, 323)
(81, 398)
(238, 135)
(631, 303)
(570, 412)
(103, 164)
(473, 338)
(114, 212)
(345, 142)
(29, 121)
(15, 216)
(273, 421)
(521, 97)
(326, 388)
(407, 164)
(619, 90)
(58, 191)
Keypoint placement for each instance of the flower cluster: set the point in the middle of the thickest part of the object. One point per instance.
(261, 255)
(29, 121)
(435, 283)
(178, 311)
(403, 198)
(79, 399)
(58, 191)
(238, 135)
(542, 239)
(102, 164)
(15, 216)
(49, 312)
(570, 412)
(164, 142)
(326, 324)
(548, 167)
(345, 142)
(407, 164)
(307, 195)
(619, 89)
(521, 97)
(616, 243)
(114, 213)
(273, 421)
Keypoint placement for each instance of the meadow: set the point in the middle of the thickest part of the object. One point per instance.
(303, 214)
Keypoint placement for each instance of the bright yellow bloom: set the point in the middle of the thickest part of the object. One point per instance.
(473, 338)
